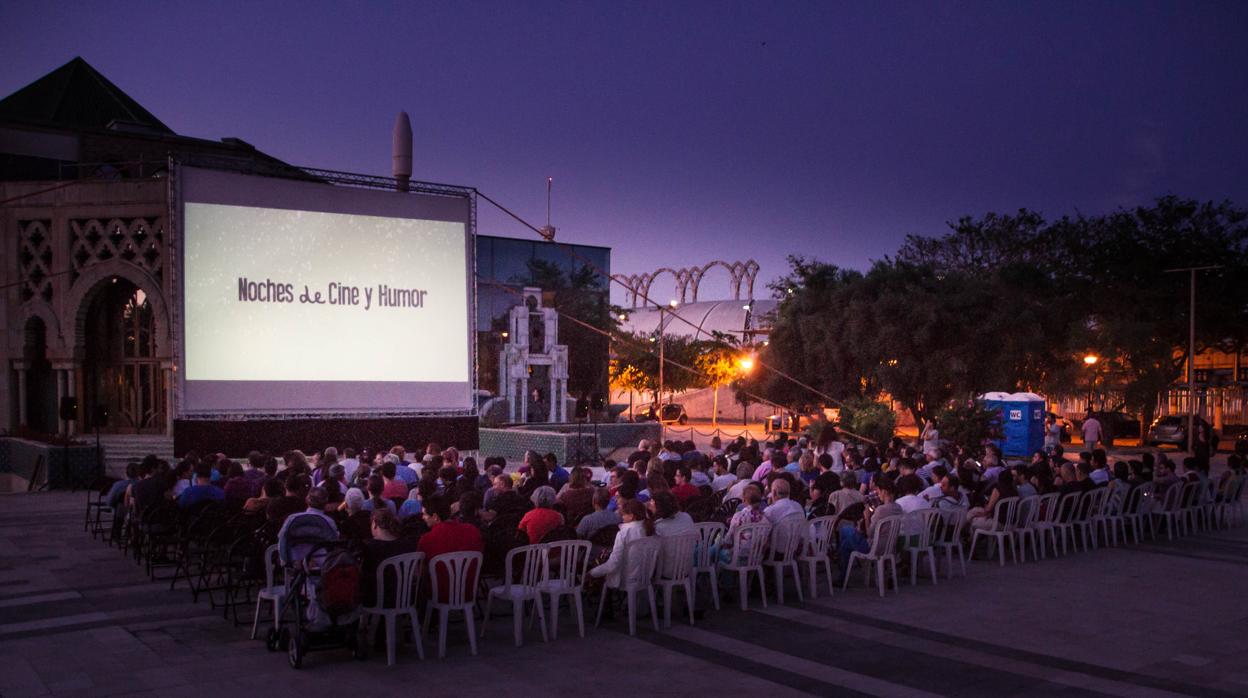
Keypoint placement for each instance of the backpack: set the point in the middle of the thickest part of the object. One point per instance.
(340, 583)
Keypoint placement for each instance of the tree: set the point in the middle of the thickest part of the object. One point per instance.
(969, 424)
(627, 377)
(719, 365)
(869, 419)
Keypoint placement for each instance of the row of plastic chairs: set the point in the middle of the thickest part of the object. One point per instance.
(1099, 515)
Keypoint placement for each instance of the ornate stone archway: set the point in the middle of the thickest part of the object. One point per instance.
(687, 281)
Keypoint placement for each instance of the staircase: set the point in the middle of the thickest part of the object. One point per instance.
(120, 449)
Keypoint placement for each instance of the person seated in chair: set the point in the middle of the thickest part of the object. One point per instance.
(542, 519)
(782, 506)
(445, 535)
(669, 520)
(203, 490)
(385, 542)
(601, 518)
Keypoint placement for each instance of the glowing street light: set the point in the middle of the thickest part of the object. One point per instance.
(1091, 359)
(746, 363)
(672, 303)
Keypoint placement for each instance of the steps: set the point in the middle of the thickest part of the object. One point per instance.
(120, 449)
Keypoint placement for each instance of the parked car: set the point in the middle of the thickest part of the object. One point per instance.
(1114, 425)
(1172, 429)
(669, 414)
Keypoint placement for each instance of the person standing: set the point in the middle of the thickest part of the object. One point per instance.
(930, 437)
(1052, 434)
(1092, 432)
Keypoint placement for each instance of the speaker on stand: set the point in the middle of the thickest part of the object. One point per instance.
(597, 403)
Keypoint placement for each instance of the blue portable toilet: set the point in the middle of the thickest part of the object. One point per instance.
(1022, 421)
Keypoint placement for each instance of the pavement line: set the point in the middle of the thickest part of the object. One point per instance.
(785, 662)
(39, 598)
(52, 624)
(910, 643)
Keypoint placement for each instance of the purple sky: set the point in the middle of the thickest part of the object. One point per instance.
(680, 132)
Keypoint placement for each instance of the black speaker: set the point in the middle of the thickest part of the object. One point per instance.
(99, 416)
(596, 402)
(69, 408)
(582, 407)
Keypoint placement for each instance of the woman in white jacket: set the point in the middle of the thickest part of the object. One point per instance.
(636, 525)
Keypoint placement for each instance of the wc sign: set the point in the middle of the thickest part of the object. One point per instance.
(1016, 415)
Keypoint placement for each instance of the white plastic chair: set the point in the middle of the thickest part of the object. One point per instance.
(273, 592)
(921, 527)
(462, 571)
(675, 569)
(1025, 528)
(951, 538)
(749, 543)
(787, 538)
(1168, 512)
(1110, 518)
(1086, 516)
(520, 592)
(816, 552)
(883, 545)
(1063, 520)
(1042, 523)
(1227, 507)
(401, 573)
(1192, 507)
(641, 557)
(565, 576)
(706, 555)
(1133, 511)
(1001, 529)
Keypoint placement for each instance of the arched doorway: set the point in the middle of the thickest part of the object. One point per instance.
(41, 405)
(121, 368)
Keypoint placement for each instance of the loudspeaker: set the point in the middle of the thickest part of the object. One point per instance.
(69, 408)
(597, 402)
(99, 416)
(582, 407)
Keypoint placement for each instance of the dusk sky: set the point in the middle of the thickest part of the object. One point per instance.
(680, 132)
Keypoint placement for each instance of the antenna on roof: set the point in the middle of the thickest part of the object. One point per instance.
(548, 230)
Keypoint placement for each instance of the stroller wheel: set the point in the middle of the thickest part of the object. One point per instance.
(273, 641)
(295, 649)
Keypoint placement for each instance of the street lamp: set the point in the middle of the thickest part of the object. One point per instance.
(671, 304)
(1090, 361)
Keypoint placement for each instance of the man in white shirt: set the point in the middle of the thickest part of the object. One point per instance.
(723, 478)
(909, 486)
(848, 495)
(349, 464)
(1092, 433)
(933, 491)
(781, 506)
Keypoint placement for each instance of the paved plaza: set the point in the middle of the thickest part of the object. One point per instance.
(77, 618)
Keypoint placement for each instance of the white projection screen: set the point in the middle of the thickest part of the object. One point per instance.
(302, 297)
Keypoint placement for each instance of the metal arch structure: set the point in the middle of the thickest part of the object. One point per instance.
(688, 279)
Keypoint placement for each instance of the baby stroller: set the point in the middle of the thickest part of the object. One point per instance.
(322, 591)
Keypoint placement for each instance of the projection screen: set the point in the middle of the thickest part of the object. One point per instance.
(303, 297)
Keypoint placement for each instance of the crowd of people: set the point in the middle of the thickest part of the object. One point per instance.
(441, 502)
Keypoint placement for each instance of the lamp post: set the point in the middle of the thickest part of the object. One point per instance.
(747, 364)
(1090, 361)
(1191, 349)
(662, 317)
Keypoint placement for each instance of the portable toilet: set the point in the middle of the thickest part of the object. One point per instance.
(1022, 421)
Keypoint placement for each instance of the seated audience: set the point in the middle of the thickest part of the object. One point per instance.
(542, 519)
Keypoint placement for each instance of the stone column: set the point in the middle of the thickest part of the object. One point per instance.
(554, 395)
(71, 389)
(524, 400)
(62, 427)
(20, 367)
(169, 374)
